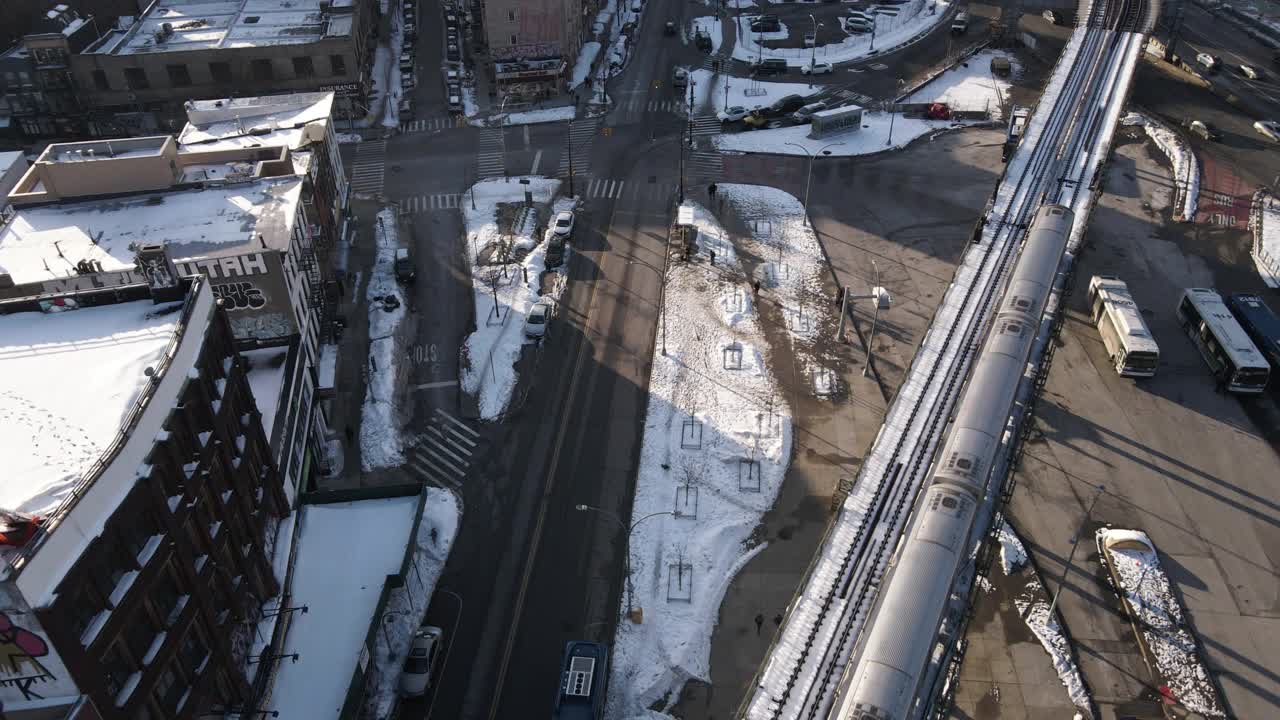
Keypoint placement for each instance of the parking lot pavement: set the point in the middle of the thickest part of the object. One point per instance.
(1193, 468)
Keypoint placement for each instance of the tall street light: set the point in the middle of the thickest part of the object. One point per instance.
(813, 53)
(1075, 541)
(809, 176)
(628, 530)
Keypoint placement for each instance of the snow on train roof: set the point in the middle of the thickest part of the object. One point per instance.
(214, 24)
(67, 382)
(45, 243)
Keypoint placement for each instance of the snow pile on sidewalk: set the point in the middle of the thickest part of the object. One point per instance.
(386, 74)
(338, 574)
(792, 271)
(1033, 608)
(582, 68)
(713, 409)
(969, 85)
(380, 442)
(915, 18)
(1186, 166)
(407, 605)
(1158, 615)
(532, 117)
(872, 137)
(490, 352)
(707, 89)
(1264, 223)
(712, 27)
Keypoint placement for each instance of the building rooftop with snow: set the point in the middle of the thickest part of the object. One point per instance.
(140, 510)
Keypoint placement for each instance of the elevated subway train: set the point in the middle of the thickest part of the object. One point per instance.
(884, 682)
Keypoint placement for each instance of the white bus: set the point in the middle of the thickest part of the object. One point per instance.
(1223, 344)
(1133, 351)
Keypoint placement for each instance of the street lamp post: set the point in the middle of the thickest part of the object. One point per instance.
(875, 318)
(901, 83)
(809, 176)
(813, 53)
(385, 635)
(628, 531)
(662, 285)
(1075, 541)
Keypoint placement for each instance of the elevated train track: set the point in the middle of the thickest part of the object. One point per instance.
(818, 667)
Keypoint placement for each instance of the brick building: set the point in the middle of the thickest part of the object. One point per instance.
(533, 45)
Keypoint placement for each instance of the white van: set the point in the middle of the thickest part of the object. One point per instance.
(960, 25)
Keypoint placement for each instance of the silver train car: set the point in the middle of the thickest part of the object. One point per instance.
(884, 682)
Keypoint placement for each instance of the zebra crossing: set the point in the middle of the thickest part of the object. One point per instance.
(369, 168)
(606, 189)
(705, 126)
(646, 105)
(704, 162)
(430, 203)
(854, 96)
(491, 160)
(443, 122)
(580, 138)
(442, 455)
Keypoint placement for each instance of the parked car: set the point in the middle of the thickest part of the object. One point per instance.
(680, 78)
(858, 26)
(418, 667)
(1053, 16)
(766, 23)
(733, 114)
(1204, 130)
(455, 99)
(535, 323)
(669, 28)
(786, 104)
(810, 39)
(960, 25)
(702, 40)
(1269, 129)
(1250, 72)
(769, 66)
(755, 120)
(404, 266)
(563, 224)
(406, 109)
(804, 114)
(821, 68)
(1208, 62)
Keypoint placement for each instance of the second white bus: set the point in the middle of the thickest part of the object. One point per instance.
(1133, 351)
(1224, 345)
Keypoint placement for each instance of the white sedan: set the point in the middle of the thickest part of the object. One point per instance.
(732, 114)
(821, 68)
(1269, 129)
(418, 667)
(564, 223)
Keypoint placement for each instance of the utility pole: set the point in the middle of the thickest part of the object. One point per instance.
(878, 293)
(813, 53)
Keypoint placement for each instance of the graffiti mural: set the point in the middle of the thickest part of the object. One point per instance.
(20, 667)
(240, 296)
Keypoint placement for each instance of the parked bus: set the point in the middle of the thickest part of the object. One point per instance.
(1133, 351)
(1260, 323)
(1223, 344)
(584, 673)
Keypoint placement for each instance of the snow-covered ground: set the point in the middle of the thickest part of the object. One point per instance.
(1033, 609)
(1265, 224)
(582, 67)
(707, 89)
(386, 73)
(914, 18)
(872, 137)
(380, 442)
(1158, 615)
(1186, 166)
(712, 26)
(530, 117)
(407, 605)
(969, 85)
(704, 426)
(491, 351)
(338, 574)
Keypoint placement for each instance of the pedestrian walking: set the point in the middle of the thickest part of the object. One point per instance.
(755, 287)
(351, 435)
(777, 619)
(759, 623)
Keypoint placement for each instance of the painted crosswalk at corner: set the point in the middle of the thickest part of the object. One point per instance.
(443, 122)
(442, 454)
(491, 160)
(581, 135)
(370, 167)
(430, 203)
(607, 189)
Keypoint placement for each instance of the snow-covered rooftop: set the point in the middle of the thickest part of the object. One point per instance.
(255, 121)
(67, 382)
(187, 25)
(338, 574)
(266, 378)
(45, 243)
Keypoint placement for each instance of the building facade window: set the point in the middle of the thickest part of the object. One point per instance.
(136, 79)
(178, 75)
(338, 64)
(100, 80)
(117, 667)
(220, 72)
(303, 67)
(262, 70)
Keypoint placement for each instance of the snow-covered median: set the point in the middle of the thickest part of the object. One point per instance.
(1264, 222)
(716, 445)
(1186, 167)
(969, 85)
(1158, 616)
(501, 291)
(913, 20)
(531, 117)
(873, 136)
(380, 442)
(708, 91)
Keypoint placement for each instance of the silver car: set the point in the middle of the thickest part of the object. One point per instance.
(420, 664)
(1269, 129)
(535, 323)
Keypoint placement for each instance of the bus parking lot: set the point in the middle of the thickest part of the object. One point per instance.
(1193, 467)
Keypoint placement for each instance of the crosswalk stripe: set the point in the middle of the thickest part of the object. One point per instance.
(458, 423)
(439, 478)
(442, 444)
(429, 451)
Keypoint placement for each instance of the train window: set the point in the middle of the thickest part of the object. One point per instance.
(949, 503)
(1022, 303)
(1013, 328)
(964, 463)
